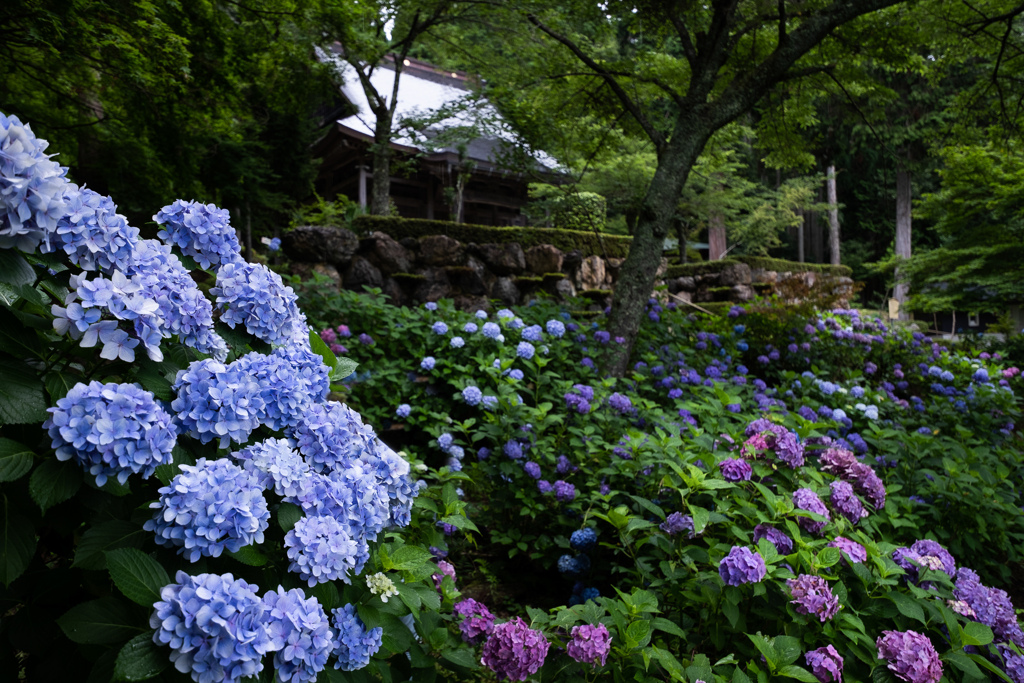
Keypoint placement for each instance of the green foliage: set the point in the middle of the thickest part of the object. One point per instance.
(566, 240)
(567, 209)
(341, 211)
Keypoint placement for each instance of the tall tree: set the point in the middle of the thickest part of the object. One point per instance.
(681, 71)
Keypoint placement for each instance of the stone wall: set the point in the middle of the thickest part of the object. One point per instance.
(414, 270)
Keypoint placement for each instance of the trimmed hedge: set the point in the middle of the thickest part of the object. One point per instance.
(615, 246)
(762, 262)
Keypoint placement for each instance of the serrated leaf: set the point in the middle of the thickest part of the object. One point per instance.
(787, 648)
(663, 624)
(408, 557)
(638, 634)
(828, 557)
(249, 555)
(343, 368)
(287, 515)
(21, 393)
(14, 269)
(15, 460)
(58, 384)
(327, 594)
(54, 482)
(907, 606)
(98, 622)
(140, 659)
(766, 649)
(976, 633)
(137, 575)
(462, 656)
(320, 348)
(17, 544)
(96, 541)
(797, 672)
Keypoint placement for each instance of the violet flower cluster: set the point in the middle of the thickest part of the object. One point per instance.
(911, 656)
(742, 566)
(764, 435)
(812, 595)
(589, 644)
(111, 430)
(806, 499)
(514, 651)
(477, 621)
(826, 664)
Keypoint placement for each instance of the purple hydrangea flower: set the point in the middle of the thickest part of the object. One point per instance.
(365, 339)
(620, 403)
(532, 469)
(111, 430)
(214, 625)
(589, 644)
(812, 595)
(300, 633)
(564, 491)
(513, 449)
(544, 486)
(927, 548)
(806, 499)
(210, 507)
(783, 543)
(734, 469)
(826, 664)
(447, 569)
(514, 650)
(991, 606)
(742, 566)
(911, 656)
(846, 502)
(477, 621)
(355, 644)
(855, 551)
(677, 522)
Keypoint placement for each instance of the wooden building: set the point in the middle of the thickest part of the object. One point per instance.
(425, 178)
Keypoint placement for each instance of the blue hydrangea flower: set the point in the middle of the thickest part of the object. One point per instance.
(430, 305)
(355, 644)
(322, 549)
(214, 625)
(300, 634)
(111, 430)
(427, 363)
(403, 410)
(513, 449)
(470, 328)
(481, 314)
(620, 403)
(32, 188)
(444, 442)
(92, 234)
(208, 508)
(457, 342)
(252, 295)
(516, 374)
(533, 333)
(291, 381)
(472, 395)
(506, 314)
(555, 328)
(439, 328)
(525, 350)
(276, 466)
(332, 436)
(201, 231)
(564, 491)
(491, 330)
(274, 244)
(583, 540)
(217, 401)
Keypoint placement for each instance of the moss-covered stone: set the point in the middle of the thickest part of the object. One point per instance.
(616, 246)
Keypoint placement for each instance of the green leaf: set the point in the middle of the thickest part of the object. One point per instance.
(663, 624)
(327, 594)
(117, 533)
(460, 522)
(462, 656)
(287, 515)
(907, 606)
(249, 555)
(965, 664)
(54, 482)
(17, 544)
(638, 634)
(58, 384)
(21, 394)
(320, 348)
(137, 575)
(766, 650)
(976, 633)
(153, 380)
(344, 368)
(788, 649)
(98, 622)
(19, 339)
(15, 460)
(179, 457)
(14, 269)
(797, 672)
(828, 557)
(409, 557)
(700, 519)
(140, 659)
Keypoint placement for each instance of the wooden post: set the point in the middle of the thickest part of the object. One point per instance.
(903, 228)
(716, 236)
(833, 215)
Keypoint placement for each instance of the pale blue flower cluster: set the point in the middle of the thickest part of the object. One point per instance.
(472, 395)
(92, 234)
(355, 643)
(291, 382)
(491, 330)
(439, 328)
(111, 430)
(276, 466)
(556, 328)
(32, 188)
(217, 401)
(214, 626)
(321, 549)
(252, 295)
(525, 350)
(201, 231)
(300, 634)
(533, 333)
(208, 508)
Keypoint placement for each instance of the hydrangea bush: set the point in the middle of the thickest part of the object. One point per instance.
(183, 495)
(767, 495)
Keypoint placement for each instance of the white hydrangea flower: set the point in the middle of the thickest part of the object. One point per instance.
(381, 585)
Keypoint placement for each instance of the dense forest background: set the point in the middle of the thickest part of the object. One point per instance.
(221, 102)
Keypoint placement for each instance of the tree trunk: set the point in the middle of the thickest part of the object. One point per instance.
(636, 276)
(716, 236)
(380, 204)
(833, 215)
(800, 238)
(903, 197)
